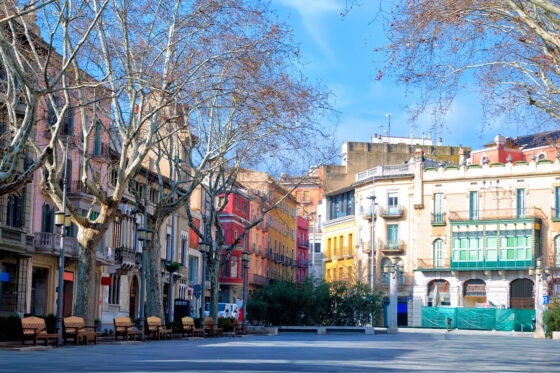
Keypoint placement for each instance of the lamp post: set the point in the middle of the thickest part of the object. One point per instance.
(541, 273)
(144, 236)
(394, 269)
(203, 248)
(62, 220)
(246, 257)
(172, 246)
(372, 247)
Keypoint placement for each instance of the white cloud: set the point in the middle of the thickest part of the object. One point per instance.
(312, 13)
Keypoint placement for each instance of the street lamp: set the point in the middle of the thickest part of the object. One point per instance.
(144, 236)
(204, 248)
(172, 246)
(541, 273)
(394, 269)
(246, 257)
(62, 220)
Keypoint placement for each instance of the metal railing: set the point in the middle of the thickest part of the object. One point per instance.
(102, 151)
(384, 171)
(391, 211)
(125, 257)
(47, 242)
(438, 218)
(496, 214)
(393, 246)
(303, 243)
(259, 279)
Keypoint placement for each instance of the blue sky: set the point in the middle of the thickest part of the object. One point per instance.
(339, 52)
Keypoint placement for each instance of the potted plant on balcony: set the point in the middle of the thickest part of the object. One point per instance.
(172, 267)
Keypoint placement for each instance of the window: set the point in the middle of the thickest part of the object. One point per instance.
(541, 156)
(51, 115)
(154, 195)
(521, 203)
(439, 254)
(48, 219)
(193, 269)
(244, 207)
(68, 125)
(392, 235)
(184, 248)
(516, 247)
(14, 211)
(557, 202)
(438, 208)
(97, 142)
(467, 248)
(115, 289)
(236, 203)
(392, 202)
(168, 244)
(473, 205)
(117, 232)
(114, 176)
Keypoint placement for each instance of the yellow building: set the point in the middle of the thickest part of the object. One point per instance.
(338, 241)
(339, 249)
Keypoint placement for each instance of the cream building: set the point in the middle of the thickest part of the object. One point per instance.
(477, 229)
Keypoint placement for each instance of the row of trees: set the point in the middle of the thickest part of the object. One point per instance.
(336, 303)
(200, 87)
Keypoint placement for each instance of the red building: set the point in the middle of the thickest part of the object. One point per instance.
(234, 219)
(302, 249)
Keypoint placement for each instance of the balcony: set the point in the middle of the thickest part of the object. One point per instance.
(393, 247)
(15, 239)
(438, 219)
(303, 243)
(76, 186)
(496, 214)
(101, 152)
(392, 212)
(125, 257)
(430, 264)
(258, 279)
(49, 243)
(303, 263)
(386, 171)
(368, 213)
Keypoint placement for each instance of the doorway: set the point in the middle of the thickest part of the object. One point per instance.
(39, 282)
(133, 298)
(67, 294)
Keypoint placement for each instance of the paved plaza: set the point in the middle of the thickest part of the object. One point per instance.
(404, 352)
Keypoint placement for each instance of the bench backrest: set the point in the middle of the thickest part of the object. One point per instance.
(32, 325)
(208, 322)
(122, 323)
(153, 322)
(188, 322)
(73, 323)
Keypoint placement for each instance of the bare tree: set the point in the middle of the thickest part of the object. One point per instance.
(33, 80)
(512, 47)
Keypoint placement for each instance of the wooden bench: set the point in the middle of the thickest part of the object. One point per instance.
(211, 329)
(189, 328)
(157, 329)
(34, 328)
(123, 326)
(74, 327)
(240, 328)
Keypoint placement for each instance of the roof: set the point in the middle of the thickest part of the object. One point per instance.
(537, 140)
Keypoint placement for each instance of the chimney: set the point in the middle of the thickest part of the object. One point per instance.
(429, 135)
(439, 141)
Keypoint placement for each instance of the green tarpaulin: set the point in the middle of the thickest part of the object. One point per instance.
(478, 318)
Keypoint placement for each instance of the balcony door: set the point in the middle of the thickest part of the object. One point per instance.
(439, 255)
(473, 205)
(393, 202)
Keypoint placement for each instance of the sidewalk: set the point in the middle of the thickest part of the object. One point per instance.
(459, 332)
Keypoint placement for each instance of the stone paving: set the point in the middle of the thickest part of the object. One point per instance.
(297, 352)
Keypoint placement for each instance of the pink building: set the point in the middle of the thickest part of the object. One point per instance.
(43, 270)
(302, 250)
(234, 218)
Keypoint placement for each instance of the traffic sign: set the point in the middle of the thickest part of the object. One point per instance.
(546, 299)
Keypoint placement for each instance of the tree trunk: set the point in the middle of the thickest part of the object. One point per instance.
(154, 290)
(88, 239)
(214, 275)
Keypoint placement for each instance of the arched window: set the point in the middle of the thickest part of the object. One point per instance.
(557, 250)
(541, 156)
(438, 293)
(439, 254)
(521, 294)
(484, 159)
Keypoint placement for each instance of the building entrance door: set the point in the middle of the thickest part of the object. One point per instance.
(133, 297)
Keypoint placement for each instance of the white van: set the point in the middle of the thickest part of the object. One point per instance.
(224, 310)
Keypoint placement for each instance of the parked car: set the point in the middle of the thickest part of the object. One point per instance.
(224, 310)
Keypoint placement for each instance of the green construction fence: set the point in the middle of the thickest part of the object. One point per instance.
(478, 318)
